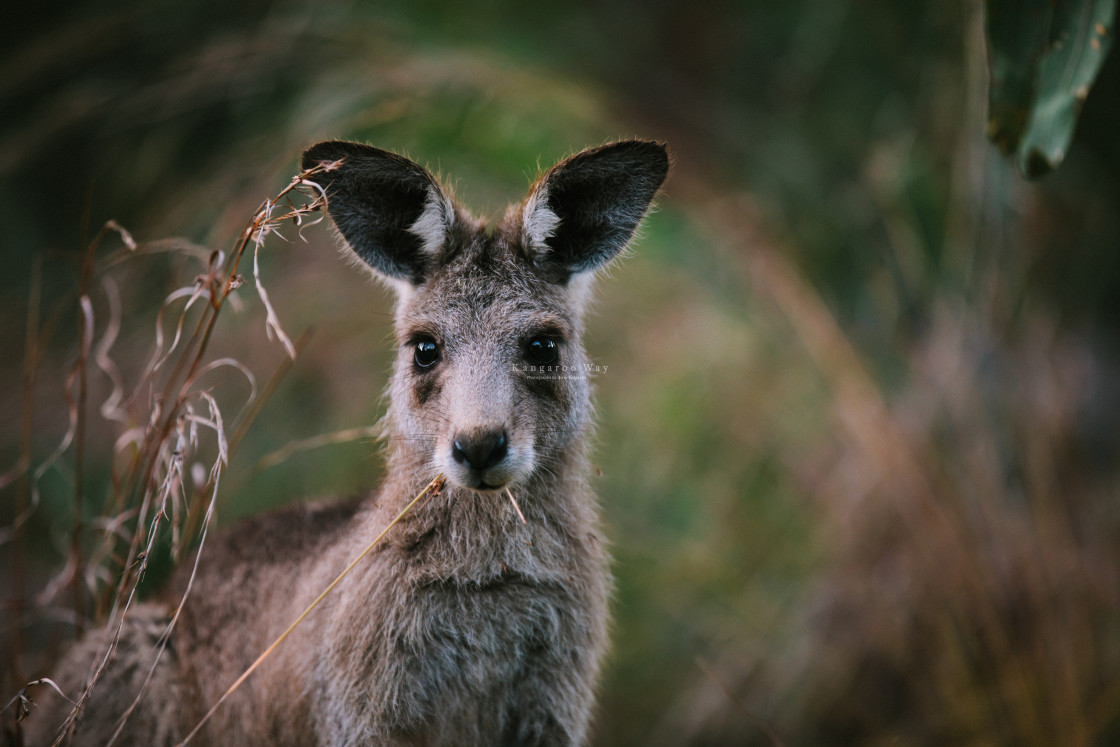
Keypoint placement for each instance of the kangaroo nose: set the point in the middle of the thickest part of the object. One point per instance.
(480, 450)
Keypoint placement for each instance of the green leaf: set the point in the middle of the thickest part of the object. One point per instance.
(1018, 31)
(1043, 56)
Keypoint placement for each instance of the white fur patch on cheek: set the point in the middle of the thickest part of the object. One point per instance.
(539, 221)
(434, 223)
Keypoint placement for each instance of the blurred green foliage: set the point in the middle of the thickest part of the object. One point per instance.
(752, 527)
(1044, 58)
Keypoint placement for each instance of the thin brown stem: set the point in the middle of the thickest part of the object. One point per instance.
(27, 422)
(435, 485)
(719, 682)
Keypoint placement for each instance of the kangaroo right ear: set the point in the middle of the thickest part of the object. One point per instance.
(585, 210)
(391, 212)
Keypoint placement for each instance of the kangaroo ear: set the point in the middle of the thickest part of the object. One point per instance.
(585, 209)
(391, 212)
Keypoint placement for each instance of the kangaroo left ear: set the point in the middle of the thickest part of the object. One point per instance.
(583, 212)
(391, 212)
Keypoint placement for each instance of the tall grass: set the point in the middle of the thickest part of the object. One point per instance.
(163, 430)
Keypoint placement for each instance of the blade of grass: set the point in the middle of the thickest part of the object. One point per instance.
(774, 740)
(435, 485)
(515, 506)
(325, 439)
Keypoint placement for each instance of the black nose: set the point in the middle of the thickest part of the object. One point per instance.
(480, 450)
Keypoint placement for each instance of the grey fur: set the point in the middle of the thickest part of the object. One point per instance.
(466, 626)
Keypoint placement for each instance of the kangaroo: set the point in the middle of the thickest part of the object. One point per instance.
(479, 619)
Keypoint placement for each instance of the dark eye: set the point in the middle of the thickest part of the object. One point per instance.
(542, 350)
(426, 353)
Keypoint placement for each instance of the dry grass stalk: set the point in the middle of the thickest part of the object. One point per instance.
(160, 421)
(515, 506)
(22, 701)
(284, 453)
(433, 488)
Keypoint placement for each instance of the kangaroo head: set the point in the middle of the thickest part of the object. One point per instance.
(490, 386)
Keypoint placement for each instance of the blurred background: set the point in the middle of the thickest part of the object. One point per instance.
(858, 436)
